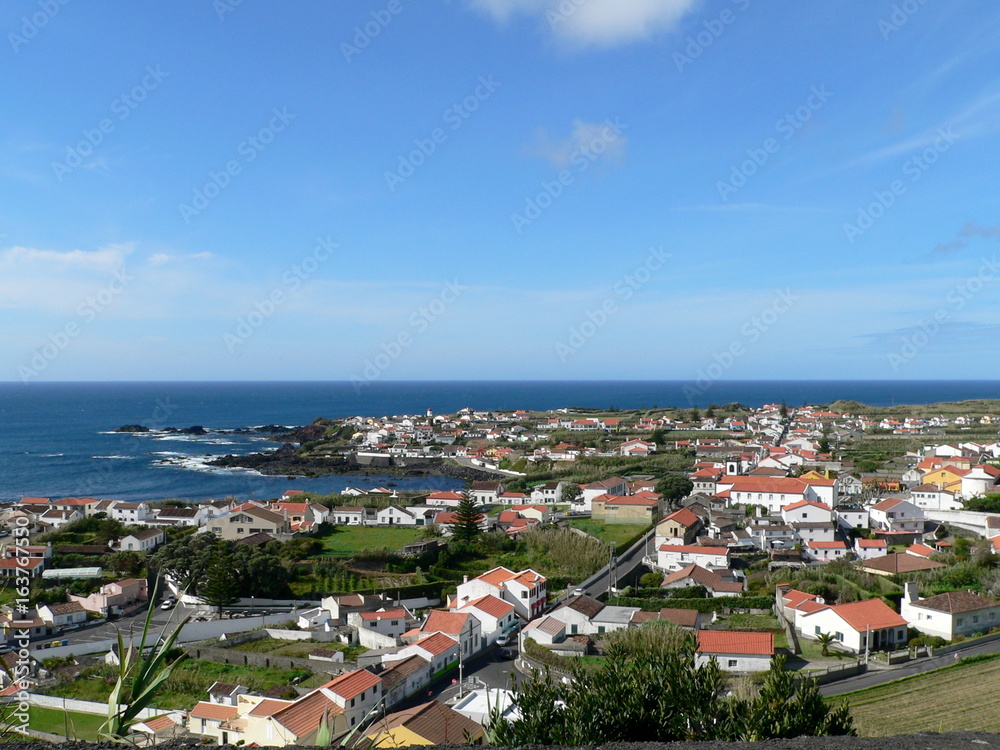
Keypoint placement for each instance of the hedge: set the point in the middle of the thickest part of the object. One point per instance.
(702, 605)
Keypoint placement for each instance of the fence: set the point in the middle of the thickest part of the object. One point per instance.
(251, 659)
(841, 672)
(82, 707)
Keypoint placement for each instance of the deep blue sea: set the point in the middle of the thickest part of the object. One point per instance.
(56, 439)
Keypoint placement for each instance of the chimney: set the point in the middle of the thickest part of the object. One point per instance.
(465, 579)
(910, 592)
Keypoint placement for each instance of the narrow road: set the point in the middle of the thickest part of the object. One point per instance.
(910, 668)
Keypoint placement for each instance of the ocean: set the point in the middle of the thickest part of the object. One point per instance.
(57, 438)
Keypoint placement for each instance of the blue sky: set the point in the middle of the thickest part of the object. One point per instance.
(494, 189)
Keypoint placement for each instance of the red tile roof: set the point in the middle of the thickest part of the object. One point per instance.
(734, 642)
(437, 644)
(352, 684)
(214, 711)
(871, 614)
(491, 606)
(440, 621)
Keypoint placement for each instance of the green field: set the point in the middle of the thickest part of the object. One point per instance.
(53, 721)
(187, 685)
(959, 697)
(344, 541)
(618, 534)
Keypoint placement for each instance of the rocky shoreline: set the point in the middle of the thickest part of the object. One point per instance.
(287, 461)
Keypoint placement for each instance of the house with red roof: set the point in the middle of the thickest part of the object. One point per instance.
(679, 527)
(717, 584)
(896, 514)
(526, 590)
(950, 614)
(439, 650)
(673, 557)
(461, 626)
(735, 651)
(856, 626)
(867, 549)
(824, 551)
(494, 614)
(643, 508)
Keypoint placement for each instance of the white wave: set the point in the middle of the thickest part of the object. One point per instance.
(122, 458)
(200, 464)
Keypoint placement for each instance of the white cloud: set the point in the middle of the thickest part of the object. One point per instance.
(602, 22)
(101, 260)
(162, 259)
(592, 140)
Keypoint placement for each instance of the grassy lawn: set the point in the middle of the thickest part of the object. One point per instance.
(617, 533)
(53, 721)
(298, 649)
(344, 541)
(187, 685)
(959, 697)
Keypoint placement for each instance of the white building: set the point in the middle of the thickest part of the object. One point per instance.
(735, 651)
(951, 614)
(672, 557)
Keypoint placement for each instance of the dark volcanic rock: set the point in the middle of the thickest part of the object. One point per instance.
(132, 428)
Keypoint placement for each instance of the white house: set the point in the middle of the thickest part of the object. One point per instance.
(951, 614)
(438, 649)
(981, 480)
(931, 497)
(146, 540)
(856, 626)
(445, 499)
(390, 622)
(825, 551)
(851, 517)
(867, 549)
(395, 516)
(130, 513)
(348, 516)
(671, 557)
(526, 590)
(610, 486)
(807, 511)
(61, 615)
(495, 616)
(549, 493)
(461, 626)
(735, 651)
(897, 514)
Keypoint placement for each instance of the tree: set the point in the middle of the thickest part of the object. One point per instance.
(662, 695)
(825, 640)
(465, 528)
(784, 409)
(220, 588)
(710, 411)
(659, 436)
(674, 487)
(571, 492)
(695, 415)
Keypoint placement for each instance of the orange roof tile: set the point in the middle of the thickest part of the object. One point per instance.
(734, 642)
(213, 711)
(352, 684)
(491, 605)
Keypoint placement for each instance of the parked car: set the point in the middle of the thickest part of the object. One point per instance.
(506, 653)
(504, 639)
(168, 603)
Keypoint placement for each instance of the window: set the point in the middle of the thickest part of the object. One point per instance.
(818, 630)
(732, 663)
(960, 622)
(975, 619)
(600, 628)
(524, 594)
(839, 636)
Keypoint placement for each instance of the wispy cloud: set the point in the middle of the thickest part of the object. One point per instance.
(594, 22)
(102, 260)
(586, 139)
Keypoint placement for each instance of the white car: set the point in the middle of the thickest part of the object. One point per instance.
(168, 603)
(503, 640)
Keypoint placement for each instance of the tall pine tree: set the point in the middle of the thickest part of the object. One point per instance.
(466, 525)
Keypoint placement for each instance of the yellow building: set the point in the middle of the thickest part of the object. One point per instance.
(946, 478)
(429, 724)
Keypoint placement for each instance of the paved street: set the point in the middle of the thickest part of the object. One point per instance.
(880, 676)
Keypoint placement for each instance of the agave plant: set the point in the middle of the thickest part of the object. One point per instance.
(139, 677)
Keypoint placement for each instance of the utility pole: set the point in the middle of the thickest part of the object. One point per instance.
(612, 565)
